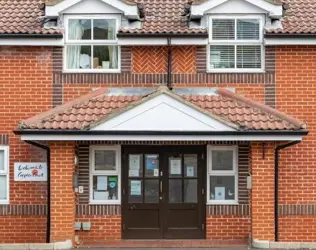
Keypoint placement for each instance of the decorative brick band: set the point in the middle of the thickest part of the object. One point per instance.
(4, 139)
(242, 210)
(98, 210)
(152, 79)
(299, 209)
(23, 210)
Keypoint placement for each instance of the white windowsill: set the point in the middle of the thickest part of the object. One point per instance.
(4, 202)
(235, 71)
(92, 71)
(105, 202)
(222, 203)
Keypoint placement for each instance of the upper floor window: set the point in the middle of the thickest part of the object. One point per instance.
(236, 44)
(91, 44)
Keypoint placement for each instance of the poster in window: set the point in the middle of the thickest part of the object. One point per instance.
(175, 166)
(151, 162)
(190, 171)
(136, 187)
(102, 183)
(134, 162)
(219, 193)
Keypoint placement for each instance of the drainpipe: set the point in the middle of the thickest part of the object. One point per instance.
(276, 186)
(169, 81)
(48, 186)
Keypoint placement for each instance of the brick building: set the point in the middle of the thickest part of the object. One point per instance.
(155, 119)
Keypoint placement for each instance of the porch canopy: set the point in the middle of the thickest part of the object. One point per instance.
(182, 114)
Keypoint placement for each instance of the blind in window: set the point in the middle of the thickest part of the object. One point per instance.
(223, 29)
(222, 56)
(248, 29)
(248, 56)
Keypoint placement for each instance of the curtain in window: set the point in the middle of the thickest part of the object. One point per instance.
(113, 53)
(73, 52)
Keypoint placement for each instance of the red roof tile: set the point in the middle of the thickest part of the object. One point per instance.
(23, 17)
(228, 107)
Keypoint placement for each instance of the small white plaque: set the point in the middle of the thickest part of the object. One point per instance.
(133, 173)
(220, 193)
(30, 171)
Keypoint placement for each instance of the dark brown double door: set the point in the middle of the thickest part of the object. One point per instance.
(163, 192)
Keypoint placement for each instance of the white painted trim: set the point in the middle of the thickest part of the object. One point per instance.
(92, 137)
(130, 11)
(6, 172)
(162, 41)
(290, 41)
(211, 172)
(93, 172)
(32, 42)
(273, 10)
(59, 245)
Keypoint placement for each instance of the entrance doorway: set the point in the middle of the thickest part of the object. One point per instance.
(163, 192)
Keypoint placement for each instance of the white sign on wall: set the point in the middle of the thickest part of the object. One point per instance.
(30, 171)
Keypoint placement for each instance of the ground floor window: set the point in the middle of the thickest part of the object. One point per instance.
(105, 169)
(222, 175)
(4, 174)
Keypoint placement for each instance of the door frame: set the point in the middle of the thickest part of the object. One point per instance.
(164, 150)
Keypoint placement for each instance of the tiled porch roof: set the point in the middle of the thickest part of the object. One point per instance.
(232, 109)
(161, 17)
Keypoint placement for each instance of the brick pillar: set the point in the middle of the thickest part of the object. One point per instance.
(262, 194)
(62, 194)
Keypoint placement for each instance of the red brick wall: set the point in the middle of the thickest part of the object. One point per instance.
(227, 227)
(295, 94)
(26, 84)
(62, 192)
(262, 192)
(103, 228)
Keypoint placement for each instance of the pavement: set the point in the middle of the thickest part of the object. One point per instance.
(143, 248)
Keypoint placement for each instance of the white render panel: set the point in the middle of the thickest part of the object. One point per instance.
(163, 113)
(91, 7)
(237, 7)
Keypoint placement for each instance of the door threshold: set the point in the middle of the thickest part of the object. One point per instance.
(167, 243)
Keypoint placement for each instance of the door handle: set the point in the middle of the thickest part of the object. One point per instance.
(160, 184)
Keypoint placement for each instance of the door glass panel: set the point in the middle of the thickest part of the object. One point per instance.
(151, 191)
(135, 191)
(175, 166)
(175, 191)
(135, 165)
(151, 165)
(190, 191)
(190, 165)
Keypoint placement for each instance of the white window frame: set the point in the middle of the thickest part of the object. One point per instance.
(235, 43)
(211, 172)
(6, 173)
(91, 42)
(93, 172)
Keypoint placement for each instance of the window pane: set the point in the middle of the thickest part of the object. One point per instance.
(190, 191)
(152, 165)
(151, 191)
(105, 160)
(79, 29)
(3, 187)
(249, 56)
(78, 57)
(135, 191)
(105, 57)
(190, 165)
(223, 29)
(105, 187)
(248, 29)
(222, 188)
(1, 160)
(222, 56)
(175, 191)
(222, 159)
(104, 29)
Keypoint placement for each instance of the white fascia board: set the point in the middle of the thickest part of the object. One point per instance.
(92, 137)
(273, 10)
(130, 11)
(32, 42)
(162, 41)
(290, 41)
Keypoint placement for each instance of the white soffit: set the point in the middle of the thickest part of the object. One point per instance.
(201, 9)
(236, 7)
(130, 11)
(162, 113)
(91, 7)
